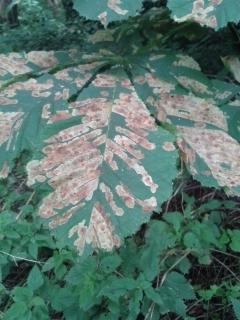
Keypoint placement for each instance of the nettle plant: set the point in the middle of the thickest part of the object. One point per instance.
(111, 128)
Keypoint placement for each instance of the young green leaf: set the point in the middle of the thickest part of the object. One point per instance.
(22, 294)
(110, 263)
(117, 287)
(17, 310)
(159, 239)
(235, 239)
(35, 278)
(180, 285)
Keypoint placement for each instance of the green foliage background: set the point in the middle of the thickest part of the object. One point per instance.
(184, 264)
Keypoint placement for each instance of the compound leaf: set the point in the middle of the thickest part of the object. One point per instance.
(95, 145)
(100, 159)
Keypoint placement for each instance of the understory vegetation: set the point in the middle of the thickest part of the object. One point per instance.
(120, 160)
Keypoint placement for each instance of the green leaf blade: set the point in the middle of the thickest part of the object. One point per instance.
(35, 278)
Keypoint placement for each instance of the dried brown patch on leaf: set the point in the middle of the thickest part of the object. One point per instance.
(130, 200)
(115, 6)
(10, 122)
(99, 233)
(159, 86)
(62, 95)
(38, 89)
(98, 55)
(64, 75)
(43, 59)
(82, 73)
(17, 64)
(188, 155)
(201, 13)
(106, 81)
(59, 115)
(193, 85)
(100, 36)
(192, 108)
(222, 95)
(186, 61)
(13, 63)
(103, 18)
(6, 101)
(235, 103)
(168, 146)
(4, 170)
(219, 151)
(110, 199)
(233, 64)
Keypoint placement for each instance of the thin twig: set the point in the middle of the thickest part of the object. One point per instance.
(226, 267)
(20, 258)
(150, 312)
(174, 265)
(190, 308)
(175, 193)
(226, 253)
(28, 201)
